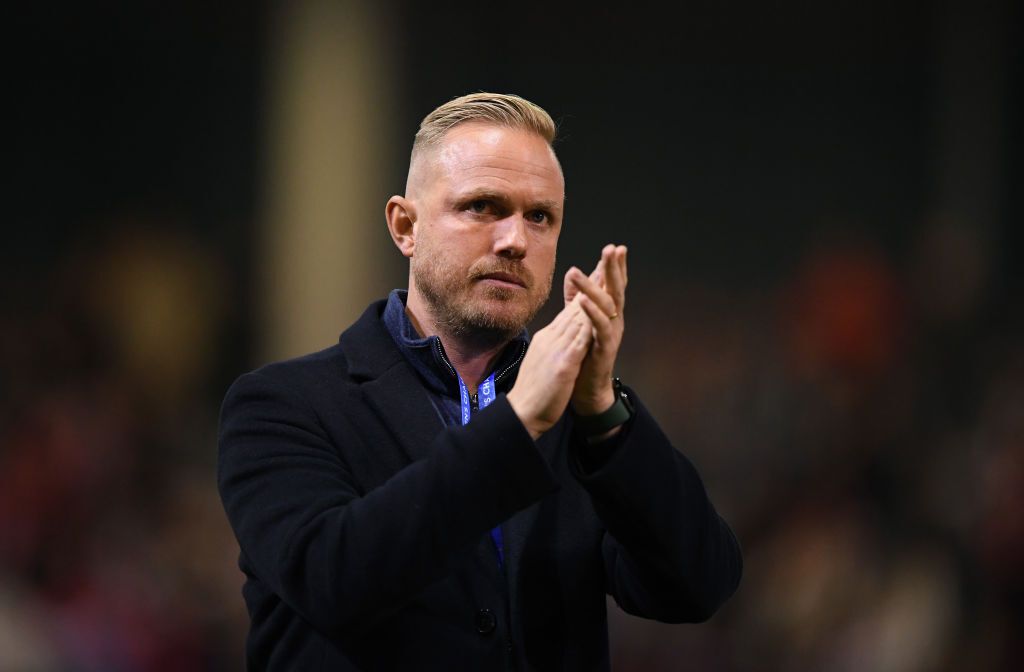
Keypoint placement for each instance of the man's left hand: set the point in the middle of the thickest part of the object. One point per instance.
(603, 298)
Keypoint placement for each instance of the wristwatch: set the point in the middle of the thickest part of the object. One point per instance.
(620, 411)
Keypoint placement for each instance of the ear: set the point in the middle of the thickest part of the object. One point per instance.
(401, 217)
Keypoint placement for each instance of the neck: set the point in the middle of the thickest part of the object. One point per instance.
(472, 364)
(473, 359)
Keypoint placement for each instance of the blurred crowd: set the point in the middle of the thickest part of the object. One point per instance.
(861, 426)
(859, 422)
(114, 551)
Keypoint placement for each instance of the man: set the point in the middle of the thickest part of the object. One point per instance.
(430, 493)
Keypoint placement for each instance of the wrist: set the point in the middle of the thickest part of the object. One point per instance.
(596, 404)
(519, 408)
(608, 422)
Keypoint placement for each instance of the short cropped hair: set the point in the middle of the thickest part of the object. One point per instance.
(500, 109)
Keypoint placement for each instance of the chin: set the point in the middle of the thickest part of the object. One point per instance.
(503, 294)
(500, 314)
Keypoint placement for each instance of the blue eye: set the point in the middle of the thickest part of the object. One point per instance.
(538, 216)
(479, 206)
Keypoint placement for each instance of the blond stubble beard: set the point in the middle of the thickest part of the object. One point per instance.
(457, 315)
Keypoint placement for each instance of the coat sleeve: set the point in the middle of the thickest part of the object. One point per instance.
(668, 555)
(342, 559)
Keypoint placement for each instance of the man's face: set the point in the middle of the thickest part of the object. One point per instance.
(489, 203)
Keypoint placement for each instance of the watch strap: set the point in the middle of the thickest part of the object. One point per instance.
(619, 413)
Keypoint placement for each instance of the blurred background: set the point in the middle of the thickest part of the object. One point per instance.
(823, 208)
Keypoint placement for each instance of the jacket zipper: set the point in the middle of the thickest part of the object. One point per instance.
(444, 357)
(522, 353)
(474, 406)
(497, 378)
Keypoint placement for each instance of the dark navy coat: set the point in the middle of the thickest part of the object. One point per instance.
(363, 524)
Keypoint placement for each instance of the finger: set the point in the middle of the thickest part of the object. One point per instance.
(598, 273)
(577, 325)
(579, 315)
(569, 289)
(573, 313)
(563, 320)
(601, 321)
(564, 317)
(623, 250)
(594, 292)
(614, 257)
(580, 341)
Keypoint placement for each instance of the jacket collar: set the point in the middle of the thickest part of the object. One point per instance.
(428, 357)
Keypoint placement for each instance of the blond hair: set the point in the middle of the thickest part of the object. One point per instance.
(500, 109)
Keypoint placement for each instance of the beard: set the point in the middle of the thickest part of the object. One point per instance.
(486, 315)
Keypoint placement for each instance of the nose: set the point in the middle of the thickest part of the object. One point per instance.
(510, 237)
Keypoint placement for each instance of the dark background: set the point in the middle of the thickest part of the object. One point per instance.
(822, 203)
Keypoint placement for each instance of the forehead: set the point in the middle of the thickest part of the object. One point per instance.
(480, 155)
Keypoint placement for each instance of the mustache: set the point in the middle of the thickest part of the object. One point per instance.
(514, 269)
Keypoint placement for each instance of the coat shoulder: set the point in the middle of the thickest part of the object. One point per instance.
(313, 370)
(361, 350)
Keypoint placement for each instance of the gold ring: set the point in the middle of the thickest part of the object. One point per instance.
(613, 316)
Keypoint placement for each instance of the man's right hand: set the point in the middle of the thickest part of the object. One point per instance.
(549, 370)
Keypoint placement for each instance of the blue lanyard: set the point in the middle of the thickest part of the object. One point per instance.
(485, 395)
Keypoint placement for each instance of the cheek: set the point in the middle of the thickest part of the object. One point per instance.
(544, 255)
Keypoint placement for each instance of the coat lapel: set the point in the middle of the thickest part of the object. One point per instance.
(403, 406)
(389, 384)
